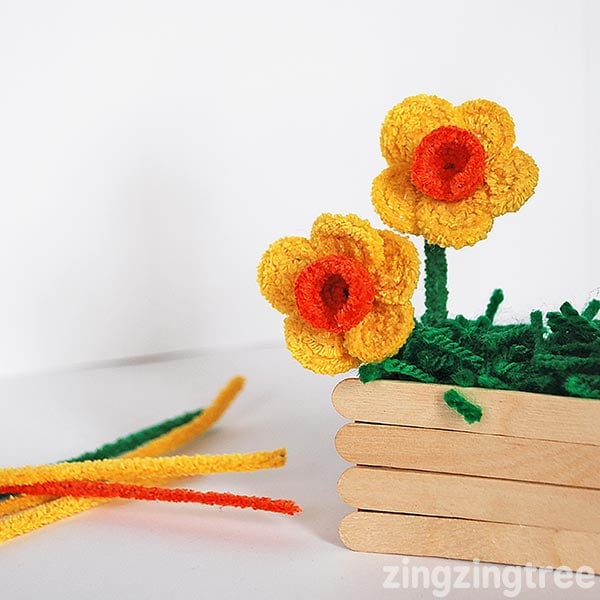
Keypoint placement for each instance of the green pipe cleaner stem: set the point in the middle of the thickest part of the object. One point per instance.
(436, 284)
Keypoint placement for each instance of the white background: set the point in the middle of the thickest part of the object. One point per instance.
(150, 151)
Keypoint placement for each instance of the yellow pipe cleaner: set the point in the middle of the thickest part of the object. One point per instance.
(46, 512)
(124, 470)
(19, 503)
(171, 440)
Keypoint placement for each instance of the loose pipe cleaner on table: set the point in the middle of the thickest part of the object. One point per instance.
(49, 510)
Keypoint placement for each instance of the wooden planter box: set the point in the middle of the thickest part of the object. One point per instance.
(520, 487)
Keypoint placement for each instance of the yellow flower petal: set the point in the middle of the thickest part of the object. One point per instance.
(395, 199)
(407, 123)
(455, 224)
(320, 351)
(278, 269)
(381, 333)
(511, 180)
(348, 235)
(490, 122)
(396, 281)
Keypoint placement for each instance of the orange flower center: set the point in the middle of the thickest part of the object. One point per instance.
(334, 293)
(448, 164)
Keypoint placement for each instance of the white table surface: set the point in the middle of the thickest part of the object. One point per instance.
(146, 550)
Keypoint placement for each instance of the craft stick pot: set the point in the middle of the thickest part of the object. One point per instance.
(522, 486)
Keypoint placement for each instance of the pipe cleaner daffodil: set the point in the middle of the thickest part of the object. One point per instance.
(346, 292)
(451, 169)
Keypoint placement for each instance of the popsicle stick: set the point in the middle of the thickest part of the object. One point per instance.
(470, 454)
(481, 499)
(466, 539)
(516, 414)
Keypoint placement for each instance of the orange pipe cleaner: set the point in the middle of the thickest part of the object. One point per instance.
(96, 489)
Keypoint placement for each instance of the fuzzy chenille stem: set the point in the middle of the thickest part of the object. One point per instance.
(436, 284)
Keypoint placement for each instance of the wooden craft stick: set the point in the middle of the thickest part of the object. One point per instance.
(470, 454)
(515, 414)
(477, 498)
(465, 539)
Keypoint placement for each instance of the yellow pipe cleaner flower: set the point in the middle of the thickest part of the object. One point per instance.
(452, 169)
(346, 292)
